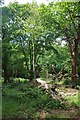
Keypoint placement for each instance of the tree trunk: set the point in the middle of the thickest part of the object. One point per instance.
(73, 53)
(6, 76)
(31, 73)
(32, 61)
(74, 60)
(74, 66)
(34, 76)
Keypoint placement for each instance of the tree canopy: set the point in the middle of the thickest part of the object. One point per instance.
(31, 36)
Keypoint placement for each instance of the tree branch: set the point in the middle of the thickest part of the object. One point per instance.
(72, 21)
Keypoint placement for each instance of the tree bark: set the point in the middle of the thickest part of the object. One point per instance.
(34, 76)
(74, 66)
(32, 61)
(74, 60)
(73, 53)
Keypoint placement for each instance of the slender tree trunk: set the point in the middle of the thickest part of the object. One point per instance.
(32, 61)
(31, 72)
(31, 66)
(34, 76)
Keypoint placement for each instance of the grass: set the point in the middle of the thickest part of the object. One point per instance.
(73, 100)
(23, 100)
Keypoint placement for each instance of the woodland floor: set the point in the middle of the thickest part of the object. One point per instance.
(27, 100)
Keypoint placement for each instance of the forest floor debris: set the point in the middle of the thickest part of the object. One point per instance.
(28, 100)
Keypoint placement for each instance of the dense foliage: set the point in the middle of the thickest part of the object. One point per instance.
(40, 60)
(33, 38)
